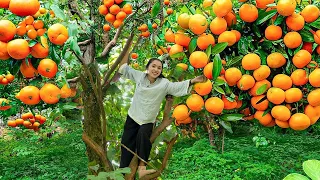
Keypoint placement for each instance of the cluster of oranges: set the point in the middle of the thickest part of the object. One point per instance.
(114, 14)
(286, 98)
(6, 78)
(48, 93)
(29, 121)
(144, 29)
(31, 27)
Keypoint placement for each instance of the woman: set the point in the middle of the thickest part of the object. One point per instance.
(151, 89)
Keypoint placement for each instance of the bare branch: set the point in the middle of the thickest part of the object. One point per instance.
(119, 59)
(84, 43)
(112, 43)
(81, 59)
(100, 152)
(73, 80)
(74, 9)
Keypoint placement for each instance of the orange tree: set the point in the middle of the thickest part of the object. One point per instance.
(47, 48)
(261, 59)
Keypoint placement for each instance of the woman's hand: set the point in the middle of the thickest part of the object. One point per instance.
(199, 79)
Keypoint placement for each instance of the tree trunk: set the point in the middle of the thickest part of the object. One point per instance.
(92, 113)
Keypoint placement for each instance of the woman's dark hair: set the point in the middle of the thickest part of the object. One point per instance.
(156, 59)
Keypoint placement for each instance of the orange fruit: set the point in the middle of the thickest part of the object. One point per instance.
(264, 120)
(134, 55)
(301, 58)
(27, 70)
(4, 3)
(121, 15)
(182, 39)
(276, 95)
(295, 22)
(103, 10)
(18, 48)
(299, 77)
(276, 60)
(281, 113)
(19, 121)
(198, 24)
(218, 25)
(229, 37)
(214, 105)
(32, 34)
(203, 88)
(58, 34)
(251, 61)
(30, 95)
(3, 51)
(47, 68)
(307, 46)
(207, 3)
(169, 36)
(292, 40)
(24, 7)
(183, 66)
(248, 13)
(205, 40)
(207, 70)
(316, 37)
(293, 95)
(318, 49)
(181, 112)
(11, 123)
(114, 9)
(65, 91)
(166, 2)
(195, 102)
(40, 32)
(117, 23)
(183, 20)
(261, 73)
(222, 7)
(271, 124)
(21, 30)
(50, 93)
(310, 13)
(228, 105)
(262, 4)
(313, 97)
(127, 8)
(29, 20)
(106, 27)
(286, 7)
(4, 104)
(232, 76)
(159, 51)
(238, 34)
(282, 124)
(231, 18)
(40, 50)
(7, 30)
(169, 11)
(198, 59)
(312, 113)
(299, 121)
(175, 49)
(246, 82)
(261, 106)
(110, 18)
(282, 81)
(314, 78)
(257, 85)
(273, 32)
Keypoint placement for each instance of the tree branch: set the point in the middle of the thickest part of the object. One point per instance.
(100, 152)
(73, 80)
(74, 9)
(119, 59)
(112, 43)
(84, 43)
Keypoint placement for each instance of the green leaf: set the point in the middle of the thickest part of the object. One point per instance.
(208, 51)
(58, 12)
(306, 35)
(234, 61)
(279, 20)
(54, 55)
(256, 30)
(32, 43)
(295, 176)
(219, 89)
(243, 46)
(178, 55)
(155, 9)
(74, 46)
(217, 66)
(262, 89)
(219, 82)
(226, 125)
(231, 117)
(316, 24)
(72, 30)
(312, 169)
(70, 105)
(193, 44)
(263, 17)
(218, 48)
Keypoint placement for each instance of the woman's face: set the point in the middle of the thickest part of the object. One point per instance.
(154, 69)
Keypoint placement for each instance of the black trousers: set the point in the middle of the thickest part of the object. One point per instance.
(137, 139)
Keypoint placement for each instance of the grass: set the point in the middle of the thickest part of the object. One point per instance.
(60, 157)
(284, 154)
